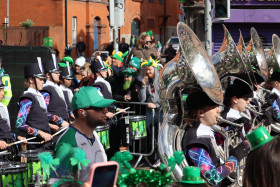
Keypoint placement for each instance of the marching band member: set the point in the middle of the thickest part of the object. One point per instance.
(275, 82)
(199, 144)
(54, 96)
(32, 116)
(237, 97)
(65, 82)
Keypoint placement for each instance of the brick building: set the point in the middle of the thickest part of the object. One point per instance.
(86, 19)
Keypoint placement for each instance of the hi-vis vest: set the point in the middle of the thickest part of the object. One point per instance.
(7, 89)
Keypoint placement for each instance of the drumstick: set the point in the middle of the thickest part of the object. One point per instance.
(121, 110)
(58, 132)
(18, 142)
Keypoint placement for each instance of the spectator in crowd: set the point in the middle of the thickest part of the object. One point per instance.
(129, 90)
(262, 167)
(135, 64)
(159, 46)
(117, 67)
(199, 145)
(123, 47)
(80, 47)
(170, 52)
(87, 76)
(79, 62)
(68, 50)
(110, 48)
(149, 93)
(143, 49)
(133, 39)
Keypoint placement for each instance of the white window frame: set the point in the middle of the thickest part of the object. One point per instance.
(74, 30)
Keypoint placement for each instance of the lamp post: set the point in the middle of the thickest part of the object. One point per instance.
(65, 22)
(208, 27)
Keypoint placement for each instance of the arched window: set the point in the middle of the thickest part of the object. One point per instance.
(135, 27)
(96, 32)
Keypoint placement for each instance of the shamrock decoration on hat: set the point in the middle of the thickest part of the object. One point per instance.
(119, 55)
(48, 162)
(150, 33)
(259, 137)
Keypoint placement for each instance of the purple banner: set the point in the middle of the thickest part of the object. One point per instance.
(255, 2)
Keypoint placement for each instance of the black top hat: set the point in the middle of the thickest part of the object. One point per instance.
(239, 89)
(66, 73)
(197, 100)
(34, 70)
(51, 66)
(97, 66)
(275, 76)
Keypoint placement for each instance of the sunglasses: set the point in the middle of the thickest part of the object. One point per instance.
(148, 42)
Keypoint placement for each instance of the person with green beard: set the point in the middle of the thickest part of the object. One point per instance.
(130, 88)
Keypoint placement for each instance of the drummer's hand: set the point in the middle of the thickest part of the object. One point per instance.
(45, 136)
(22, 138)
(64, 124)
(3, 144)
(127, 97)
(151, 105)
(110, 115)
(55, 128)
(75, 90)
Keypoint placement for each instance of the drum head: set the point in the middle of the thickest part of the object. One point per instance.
(101, 128)
(12, 167)
(32, 153)
(137, 118)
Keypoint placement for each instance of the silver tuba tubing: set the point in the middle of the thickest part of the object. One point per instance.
(220, 119)
(250, 108)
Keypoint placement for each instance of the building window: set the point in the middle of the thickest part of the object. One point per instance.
(160, 1)
(74, 30)
(151, 1)
(151, 23)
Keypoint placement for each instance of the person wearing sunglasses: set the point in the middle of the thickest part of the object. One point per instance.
(90, 109)
(144, 48)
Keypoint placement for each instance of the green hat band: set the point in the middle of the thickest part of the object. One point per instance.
(191, 178)
(117, 57)
(258, 138)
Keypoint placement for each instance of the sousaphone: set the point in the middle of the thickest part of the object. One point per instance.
(191, 67)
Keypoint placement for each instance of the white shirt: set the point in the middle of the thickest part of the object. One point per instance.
(274, 90)
(38, 96)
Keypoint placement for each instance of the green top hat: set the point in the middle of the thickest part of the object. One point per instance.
(191, 175)
(135, 62)
(129, 72)
(62, 63)
(258, 138)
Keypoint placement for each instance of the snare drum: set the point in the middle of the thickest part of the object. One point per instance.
(103, 133)
(13, 174)
(137, 126)
(34, 164)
